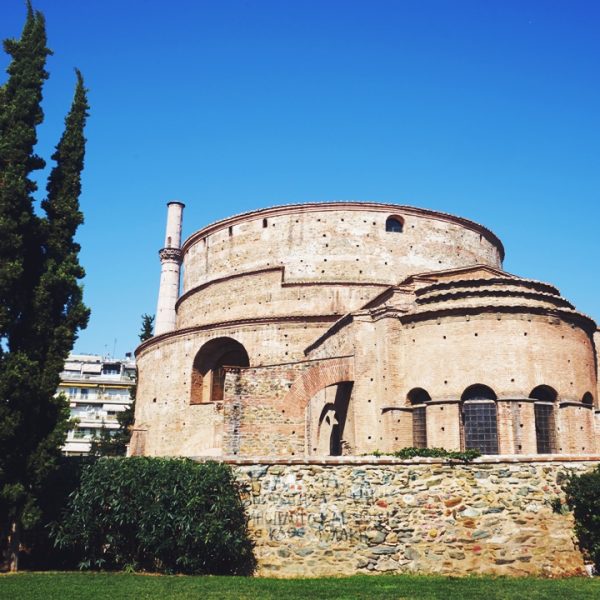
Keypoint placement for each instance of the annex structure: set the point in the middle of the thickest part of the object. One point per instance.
(343, 328)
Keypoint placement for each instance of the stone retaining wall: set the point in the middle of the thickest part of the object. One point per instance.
(339, 517)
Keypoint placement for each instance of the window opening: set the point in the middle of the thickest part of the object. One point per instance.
(544, 393)
(419, 427)
(480, 426)
(394, 224)
(208, 372)
(544, 428)
(479, 419)
(418, 397)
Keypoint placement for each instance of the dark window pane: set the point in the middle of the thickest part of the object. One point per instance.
(480, 428)
(419, 427)
(544, 428)
(478, 392)
(394, 225)
(544, 393)
(418, 396)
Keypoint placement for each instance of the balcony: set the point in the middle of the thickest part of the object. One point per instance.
(99, 377)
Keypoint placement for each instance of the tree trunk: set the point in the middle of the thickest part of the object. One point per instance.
(14, 542)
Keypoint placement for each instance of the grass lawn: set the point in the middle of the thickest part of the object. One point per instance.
(117, 586)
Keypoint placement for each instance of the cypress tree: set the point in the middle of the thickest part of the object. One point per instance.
(40, 295)
(20, 114)
(147, 327)
(58, 309)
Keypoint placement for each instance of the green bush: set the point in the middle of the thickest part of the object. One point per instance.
(583, 498)
(154, 514)
(465, 455)
(410, 452)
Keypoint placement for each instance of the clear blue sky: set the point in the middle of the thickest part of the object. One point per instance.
(485, 109)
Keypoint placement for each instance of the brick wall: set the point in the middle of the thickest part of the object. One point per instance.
(266, 408)
(305, 291)
(337, 241)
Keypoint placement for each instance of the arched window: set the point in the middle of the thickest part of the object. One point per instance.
(479, 421)
(208, 372)
(543, 393)
(265, 223)
(545, 428)
(394, 224)
(418, 399)
(588, 399)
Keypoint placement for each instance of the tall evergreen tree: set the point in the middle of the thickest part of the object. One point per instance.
(20, 114)
(147, 327)
(58, 308)
(40, 295)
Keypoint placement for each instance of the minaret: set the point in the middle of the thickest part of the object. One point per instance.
(170, 262)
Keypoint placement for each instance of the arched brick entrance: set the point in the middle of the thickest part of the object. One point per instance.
(324, 421)
(336, 370)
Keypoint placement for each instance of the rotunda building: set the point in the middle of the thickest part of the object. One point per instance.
(343, 328)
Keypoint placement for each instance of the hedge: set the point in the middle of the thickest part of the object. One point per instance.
(160, 515)
(583, 498)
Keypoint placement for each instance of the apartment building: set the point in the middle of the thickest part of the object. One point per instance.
(98, 388)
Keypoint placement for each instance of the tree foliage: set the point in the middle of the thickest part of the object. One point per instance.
(41, 307)
(411, 452)
(114, 442)
(155, 514)
(464, 455)
(147, 327)
(103, 444)
(583, 498)
(38, 549)
(20, 114)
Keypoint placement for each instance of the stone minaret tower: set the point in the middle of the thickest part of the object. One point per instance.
(170, 263)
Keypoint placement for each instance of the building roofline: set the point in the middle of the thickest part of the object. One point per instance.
(337, 205)
(284, 283)
(325, 318)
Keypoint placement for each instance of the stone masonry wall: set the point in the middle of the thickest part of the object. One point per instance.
(345, 516)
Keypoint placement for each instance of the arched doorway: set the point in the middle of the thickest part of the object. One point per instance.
(333, 438)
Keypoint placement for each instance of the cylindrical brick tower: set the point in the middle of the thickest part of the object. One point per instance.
(350, 327)
(170, 261)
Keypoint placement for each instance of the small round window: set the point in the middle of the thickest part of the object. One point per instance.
(394, 224)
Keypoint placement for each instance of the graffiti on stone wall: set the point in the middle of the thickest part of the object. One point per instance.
(284, 507)
(329, 520)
